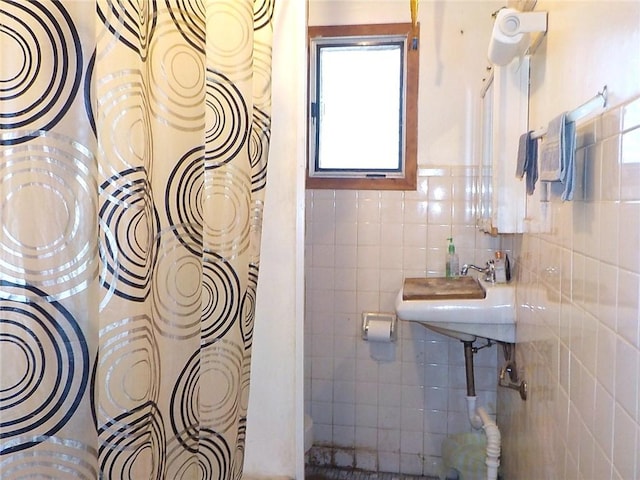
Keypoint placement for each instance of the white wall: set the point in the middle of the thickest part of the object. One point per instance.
(274, 444)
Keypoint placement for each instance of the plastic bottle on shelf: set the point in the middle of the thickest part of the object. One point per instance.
(452, 269)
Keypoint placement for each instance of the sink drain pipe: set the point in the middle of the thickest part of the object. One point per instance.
(468, 366)
(479, 418)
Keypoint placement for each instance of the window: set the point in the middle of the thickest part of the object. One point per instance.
(363, 86)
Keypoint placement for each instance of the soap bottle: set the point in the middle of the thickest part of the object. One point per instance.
(453, 265)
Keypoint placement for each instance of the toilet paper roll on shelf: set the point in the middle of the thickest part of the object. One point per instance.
(379, 327)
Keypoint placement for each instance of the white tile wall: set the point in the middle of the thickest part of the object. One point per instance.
(578, 320)
(387, 415)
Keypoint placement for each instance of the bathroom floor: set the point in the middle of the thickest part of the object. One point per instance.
(328, 473)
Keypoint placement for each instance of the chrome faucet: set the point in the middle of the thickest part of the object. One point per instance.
(489, 271)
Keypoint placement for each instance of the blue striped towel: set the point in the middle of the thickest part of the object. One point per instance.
(557, 155)
(527, 163)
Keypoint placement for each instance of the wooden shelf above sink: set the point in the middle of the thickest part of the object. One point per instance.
(441, 288)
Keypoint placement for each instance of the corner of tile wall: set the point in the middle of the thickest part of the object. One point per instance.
(578, 319)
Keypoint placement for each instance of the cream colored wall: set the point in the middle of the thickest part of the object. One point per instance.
(579, 282)
(589, 44)
(274, 446)
(452, 65)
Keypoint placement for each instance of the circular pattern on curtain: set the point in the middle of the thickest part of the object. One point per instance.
(56, 248)
(47, 351)
(130, 227)
(132, 24)
(129, 362)
(41, 67)
(71, 456)
(227, 120)
(132, 445)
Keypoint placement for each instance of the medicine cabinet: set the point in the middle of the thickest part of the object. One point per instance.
(504, 108)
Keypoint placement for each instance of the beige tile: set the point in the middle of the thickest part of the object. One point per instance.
(625, 450)
(609, 233)
(323, 233)
(603, 422)
(626, 375)
(627, 325)
(463, 213)
(610, 171)
(345, 257)
(415, 212)
(346, 233)
(415, 235)
(368, 256)
(607, 294)
(368, 279)
(630, 166)
(392, 236)
(391, 260)
(439, 213)
(601, 464)
(323, 256)
(593, 173)
(608, 124)
(605, 371)
(392, 211)
(369, 210)
(440, 188)
(631, 115)
(629, 236)
(369, 234)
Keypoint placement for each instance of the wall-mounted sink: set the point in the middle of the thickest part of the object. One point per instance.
(462, 308)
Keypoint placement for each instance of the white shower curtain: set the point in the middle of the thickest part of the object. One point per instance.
(133, 149)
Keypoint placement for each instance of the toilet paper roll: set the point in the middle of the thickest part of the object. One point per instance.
(501, 53)
(503, 48)
(506, 39)
(379, 331)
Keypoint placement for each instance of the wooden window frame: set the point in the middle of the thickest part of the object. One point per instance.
(409, 181)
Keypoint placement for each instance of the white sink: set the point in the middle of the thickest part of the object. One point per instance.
(492, 317)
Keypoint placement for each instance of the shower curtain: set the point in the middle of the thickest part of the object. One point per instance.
(134, 137)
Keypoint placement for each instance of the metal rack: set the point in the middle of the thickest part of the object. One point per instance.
(599, 101)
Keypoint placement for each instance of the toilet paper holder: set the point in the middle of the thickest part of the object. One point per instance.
(368, 319)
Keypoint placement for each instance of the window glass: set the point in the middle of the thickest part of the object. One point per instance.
(349, 106)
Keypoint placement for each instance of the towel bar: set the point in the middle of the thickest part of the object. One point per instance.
(600, 100)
